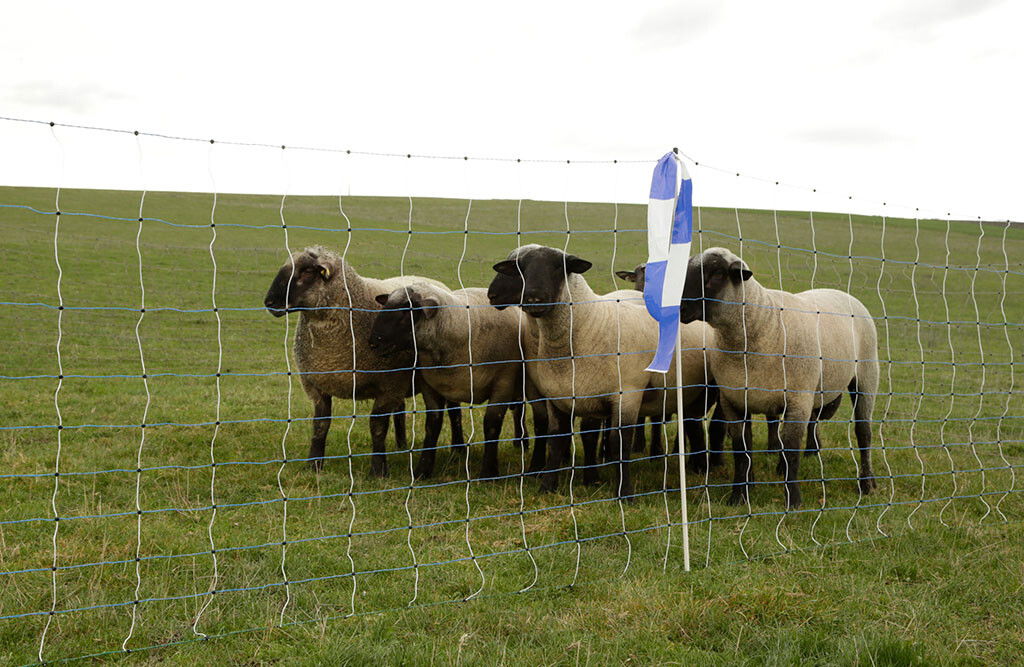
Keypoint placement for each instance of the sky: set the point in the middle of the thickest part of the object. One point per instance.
(908, 102)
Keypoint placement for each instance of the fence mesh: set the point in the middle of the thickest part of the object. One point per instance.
(155, 469)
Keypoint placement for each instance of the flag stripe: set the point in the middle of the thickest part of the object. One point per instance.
(675, 276)
(665, 180)
(659, 228)
(682, 222)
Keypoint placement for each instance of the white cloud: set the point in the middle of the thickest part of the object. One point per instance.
(674, 23)
(70, 98)
(914, 16)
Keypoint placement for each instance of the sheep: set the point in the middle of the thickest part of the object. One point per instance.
(822, 342)
(638, 436)
(335, 306)
(511, 288)
(638, 277)
(465, 352)
(600, 342)
(702, 458)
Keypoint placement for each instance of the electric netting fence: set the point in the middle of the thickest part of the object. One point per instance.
(156, 463)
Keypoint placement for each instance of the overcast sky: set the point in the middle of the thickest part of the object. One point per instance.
(910, 101)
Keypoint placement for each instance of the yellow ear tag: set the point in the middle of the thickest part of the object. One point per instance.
(326, 272)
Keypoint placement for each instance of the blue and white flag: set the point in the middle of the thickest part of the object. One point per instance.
(669, 229)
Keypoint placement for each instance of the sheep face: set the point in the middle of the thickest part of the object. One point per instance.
(636, 276)
(714, 283)
(299, 283)
(392, 329)
(533, 279)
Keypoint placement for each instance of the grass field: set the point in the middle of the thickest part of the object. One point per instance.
(946, 587)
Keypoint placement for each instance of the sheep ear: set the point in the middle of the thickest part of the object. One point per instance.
(428, 306)
(507, 268)
(627, 275)
(574, 264)
(739, 272)
(382, 299)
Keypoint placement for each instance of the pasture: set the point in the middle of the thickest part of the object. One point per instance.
(767, 586)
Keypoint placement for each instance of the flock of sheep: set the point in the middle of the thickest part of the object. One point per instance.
(539, 336)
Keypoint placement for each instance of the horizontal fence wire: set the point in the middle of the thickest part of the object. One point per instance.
(158, 474)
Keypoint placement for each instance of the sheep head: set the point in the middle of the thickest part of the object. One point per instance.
(533, 278)
(393, 327)
(636, 276)
(714, 285)
(302, 281)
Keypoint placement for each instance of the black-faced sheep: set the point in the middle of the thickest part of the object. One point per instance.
(782, 355)
(592, 353)
(637, 276)
(466, 351)
(336, 307)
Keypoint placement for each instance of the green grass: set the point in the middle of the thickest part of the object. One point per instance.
(945, 588)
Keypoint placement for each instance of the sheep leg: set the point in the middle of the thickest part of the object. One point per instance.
(428, 454)
(693, 428)
(813, 446)
(821, 414)
(792, 433)
(862, 406)
(380, 419)
(519, 424)
(590, 432)
(693, 413)
(401, 441)
(621, 449)
(540, 436)
(321, 424)
(657, 431)
(455, 420)
(435, 410)
(716, 437)
(606, 442)
(639, 437)
(743, 468)
(558, 445)
(775, 443)
(494, 416)
(692, 423)
(625, 419)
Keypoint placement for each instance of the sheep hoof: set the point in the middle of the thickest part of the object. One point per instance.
(866, 484)
(548, 485)
(316, 465)
(793, 497)
(737, 498)
(423, 471)
(698, 462)
(780, 467)
(591, 478)
(379, 469)
(489, 474)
